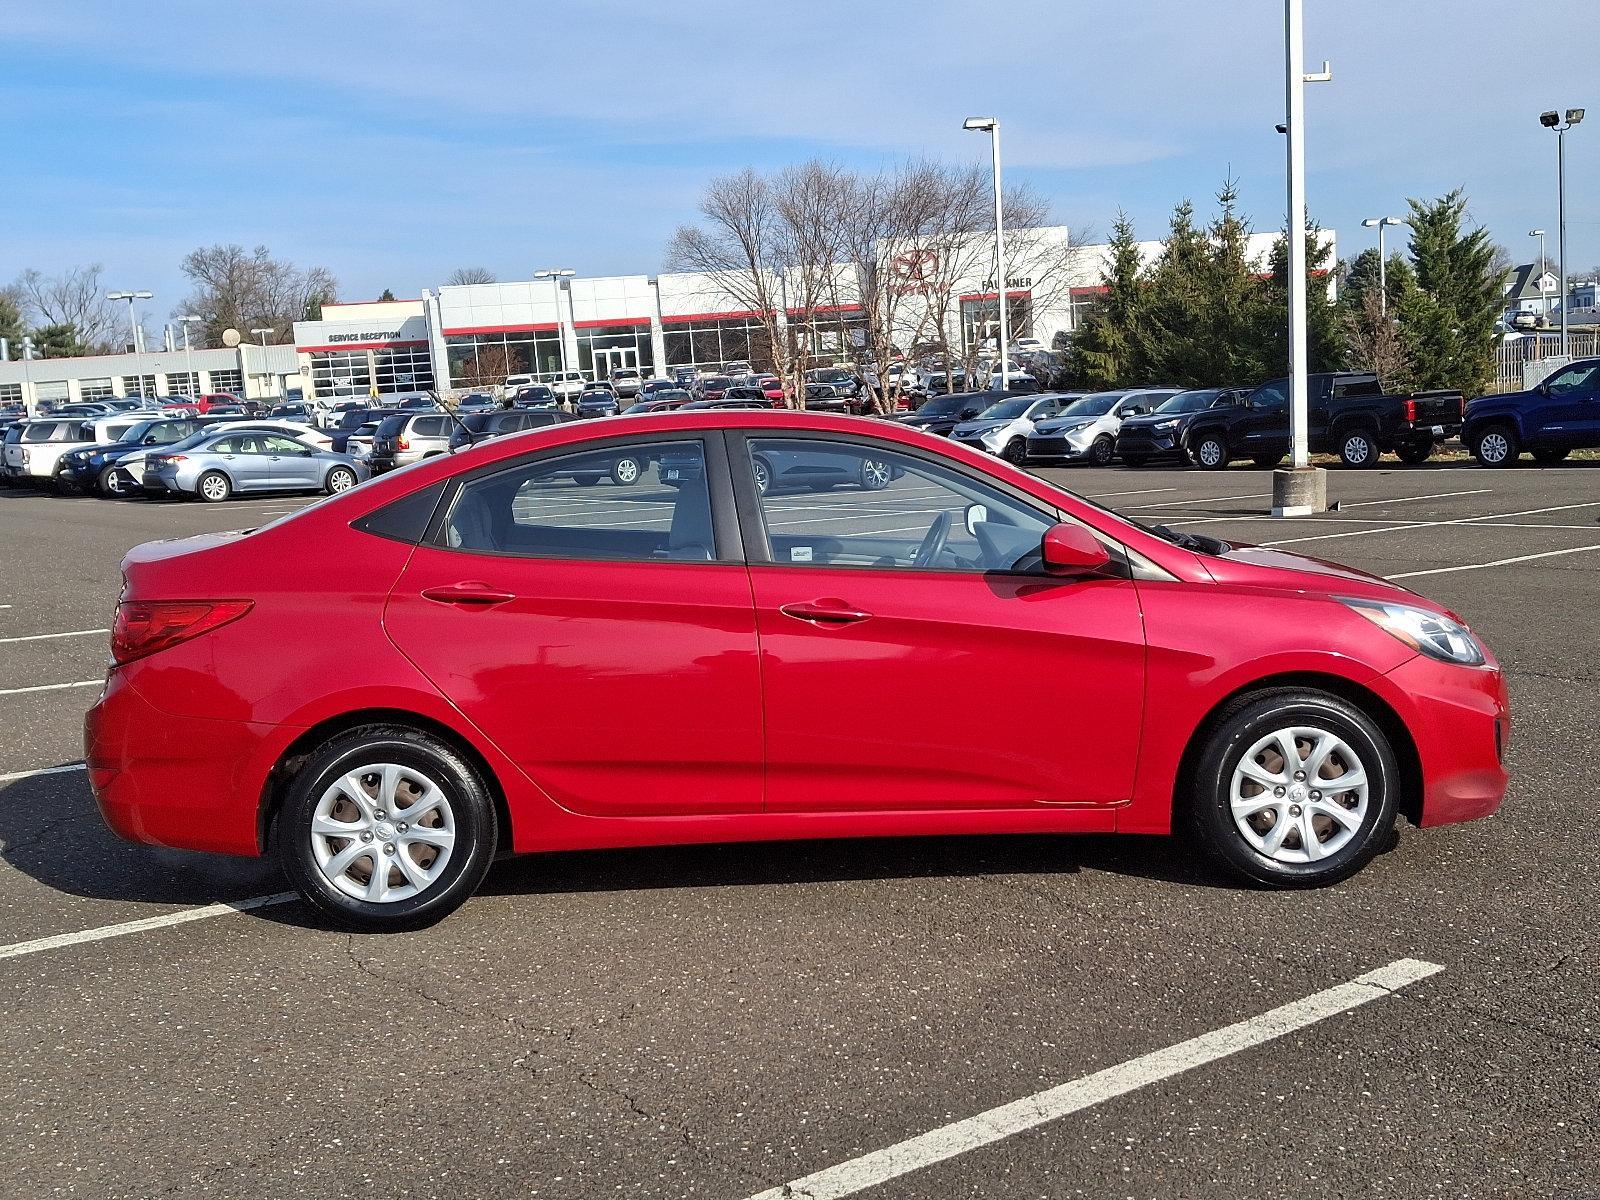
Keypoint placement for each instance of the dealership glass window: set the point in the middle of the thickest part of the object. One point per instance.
(832, 335)
(402, 369)
(95, 389)
(341, 374)
(709, 344)
(1080, 304)
(485, 359)
(980, 319)
(607, 347)
(10, 393)
(231, 382)
(138, 385)
(182, 383)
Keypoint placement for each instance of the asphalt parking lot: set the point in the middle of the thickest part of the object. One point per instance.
(723, 1021)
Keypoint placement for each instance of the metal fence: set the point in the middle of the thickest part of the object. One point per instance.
(1512, 358)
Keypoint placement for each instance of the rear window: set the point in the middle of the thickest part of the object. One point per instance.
(391, 426)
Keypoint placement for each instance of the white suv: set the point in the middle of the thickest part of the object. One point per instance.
(36, 454)
(1086, 430)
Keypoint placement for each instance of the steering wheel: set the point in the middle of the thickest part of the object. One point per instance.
(933, 542)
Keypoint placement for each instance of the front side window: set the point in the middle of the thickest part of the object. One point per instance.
(848, 504)
(276, 443)
(1575, 379)
(635, 502)
(1269, 395)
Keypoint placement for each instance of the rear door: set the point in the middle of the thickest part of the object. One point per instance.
(603, 637)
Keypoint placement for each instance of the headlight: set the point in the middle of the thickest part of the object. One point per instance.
(1164, 425)
(1426, 632)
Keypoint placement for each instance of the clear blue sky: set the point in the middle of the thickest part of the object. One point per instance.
(393, 142)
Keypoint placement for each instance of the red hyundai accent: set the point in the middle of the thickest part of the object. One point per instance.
(481, 654)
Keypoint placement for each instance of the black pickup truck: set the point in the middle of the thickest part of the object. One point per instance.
(1347, 414)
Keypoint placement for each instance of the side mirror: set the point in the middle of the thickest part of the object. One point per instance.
(1070, 549)
(976, 515)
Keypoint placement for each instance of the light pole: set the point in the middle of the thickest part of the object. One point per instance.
(264, 334)
(992, 127)
(133, 320)
(1552, 120)
(1381, 223)
(1302, 489)
(555, 275)
(1543, 260)
(188, 357)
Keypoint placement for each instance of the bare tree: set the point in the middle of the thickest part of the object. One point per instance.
(1375, 341)
(75, 298)
(468, 275)
(488, 367)
(251, 290)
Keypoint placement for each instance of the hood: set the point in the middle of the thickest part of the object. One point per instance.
(1281, 570)
(1148, 419)
(985, 425)
(1057, 424)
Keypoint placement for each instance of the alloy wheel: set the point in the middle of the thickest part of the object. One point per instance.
(1494, 447)
(340, 480)
(1299, 795)
(214, 487)
(763, 475)
(875, 474)
(1209, 454)
(383, 833)
(1357, 450)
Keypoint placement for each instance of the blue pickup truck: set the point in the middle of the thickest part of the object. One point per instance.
(1550, 420)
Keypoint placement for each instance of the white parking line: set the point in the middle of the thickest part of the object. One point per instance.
(51, 687)
(1527, 512)
(858, 1174)
(1499, 562)
(101, 933)
(1140, 492)
(1202, 500)
(45, 637)
(1405, 499)
(17, 776)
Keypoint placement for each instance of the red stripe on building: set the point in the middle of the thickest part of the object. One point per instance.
(824, 309)
(1011, 295)
(548, 327)
(611, 321)
(685, 318)
(1097, 290)
(357, 346)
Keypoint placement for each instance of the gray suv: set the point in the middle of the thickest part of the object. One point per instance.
(406, 438)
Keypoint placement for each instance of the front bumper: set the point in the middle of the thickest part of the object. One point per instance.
(1147, 444)
(1056, 448)
(1460, 720)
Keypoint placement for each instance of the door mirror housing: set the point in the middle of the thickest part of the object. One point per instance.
(1069, 549)
(976, 515)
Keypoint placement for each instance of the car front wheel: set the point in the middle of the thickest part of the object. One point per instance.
(626, 471)
(385, 828)
(1293, 788)
(1102, 451)
(1211, 453)
(1497, 446)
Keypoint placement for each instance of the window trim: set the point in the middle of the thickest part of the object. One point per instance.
(725, 529)
(752, 518)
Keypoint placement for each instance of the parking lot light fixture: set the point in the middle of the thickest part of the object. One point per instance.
(1552, 120)
(555, 275)
(1543, 261)
(188, 355)
(1380, 224)
(991, 126)
(133, 319)
(264, 334)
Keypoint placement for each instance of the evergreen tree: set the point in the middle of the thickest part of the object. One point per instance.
(58, 341)
(388, 294)
(1447, 321)
(1104, 347)
(1228, 349)
(1174, 308)
(1327, 348)
(11, 328)
(1361, 275)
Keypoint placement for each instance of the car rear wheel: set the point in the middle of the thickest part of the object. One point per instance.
(762, 470)
(340, 479)
(1549, 457)
(875, 474)
(1102, 451)
(1415, 453)
(386, 828)
(213, 487)
(1497, 446)
(1293, 788)
(626, 471)
(1211, 453)
(1358, 449)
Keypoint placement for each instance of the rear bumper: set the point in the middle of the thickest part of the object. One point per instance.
(1460, 720)
(182, 782)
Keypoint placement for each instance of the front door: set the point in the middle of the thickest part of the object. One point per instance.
(602, 636)
(1570, 412)
(245, 458)
(1263, 429)
(292, 465)
(913, 655)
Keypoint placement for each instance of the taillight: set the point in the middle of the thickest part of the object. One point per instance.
(1411, 411)
(402, 444)
(144, 626)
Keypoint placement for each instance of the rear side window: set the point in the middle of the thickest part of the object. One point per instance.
(428, 426)
(406, 519)
(634, 502)
(1357, 387)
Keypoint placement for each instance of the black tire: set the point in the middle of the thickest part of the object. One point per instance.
(1414, 454)
(65, 486)
(113, 482)
(587, 480)
(1358, 449)
(1015, 451)
(626, 471)
(1102, 451)
(874, 474)
(1136, 460)
(213, 487)
(762, 470)
(1266, 461)
(1210, 452)
(1239, 726)
(339, 479)
(1496, 446)
(1548, 458)
(472, 813)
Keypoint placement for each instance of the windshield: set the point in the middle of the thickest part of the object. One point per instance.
(944, 406)
(1014, 407)
(1187, 402)
(1097, 405)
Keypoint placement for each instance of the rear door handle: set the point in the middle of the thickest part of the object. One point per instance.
(825, 612)
(470, 594)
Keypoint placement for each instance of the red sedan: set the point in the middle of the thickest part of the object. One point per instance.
(490, 657)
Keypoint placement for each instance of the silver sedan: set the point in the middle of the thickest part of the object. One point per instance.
(216, 464)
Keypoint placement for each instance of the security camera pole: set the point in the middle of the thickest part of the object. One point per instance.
(1300, 489)
(992, 127)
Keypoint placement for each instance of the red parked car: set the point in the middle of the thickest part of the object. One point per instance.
(458, 625)
(771, 387)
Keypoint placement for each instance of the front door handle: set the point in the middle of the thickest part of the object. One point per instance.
(470, 594)
(828, 611)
